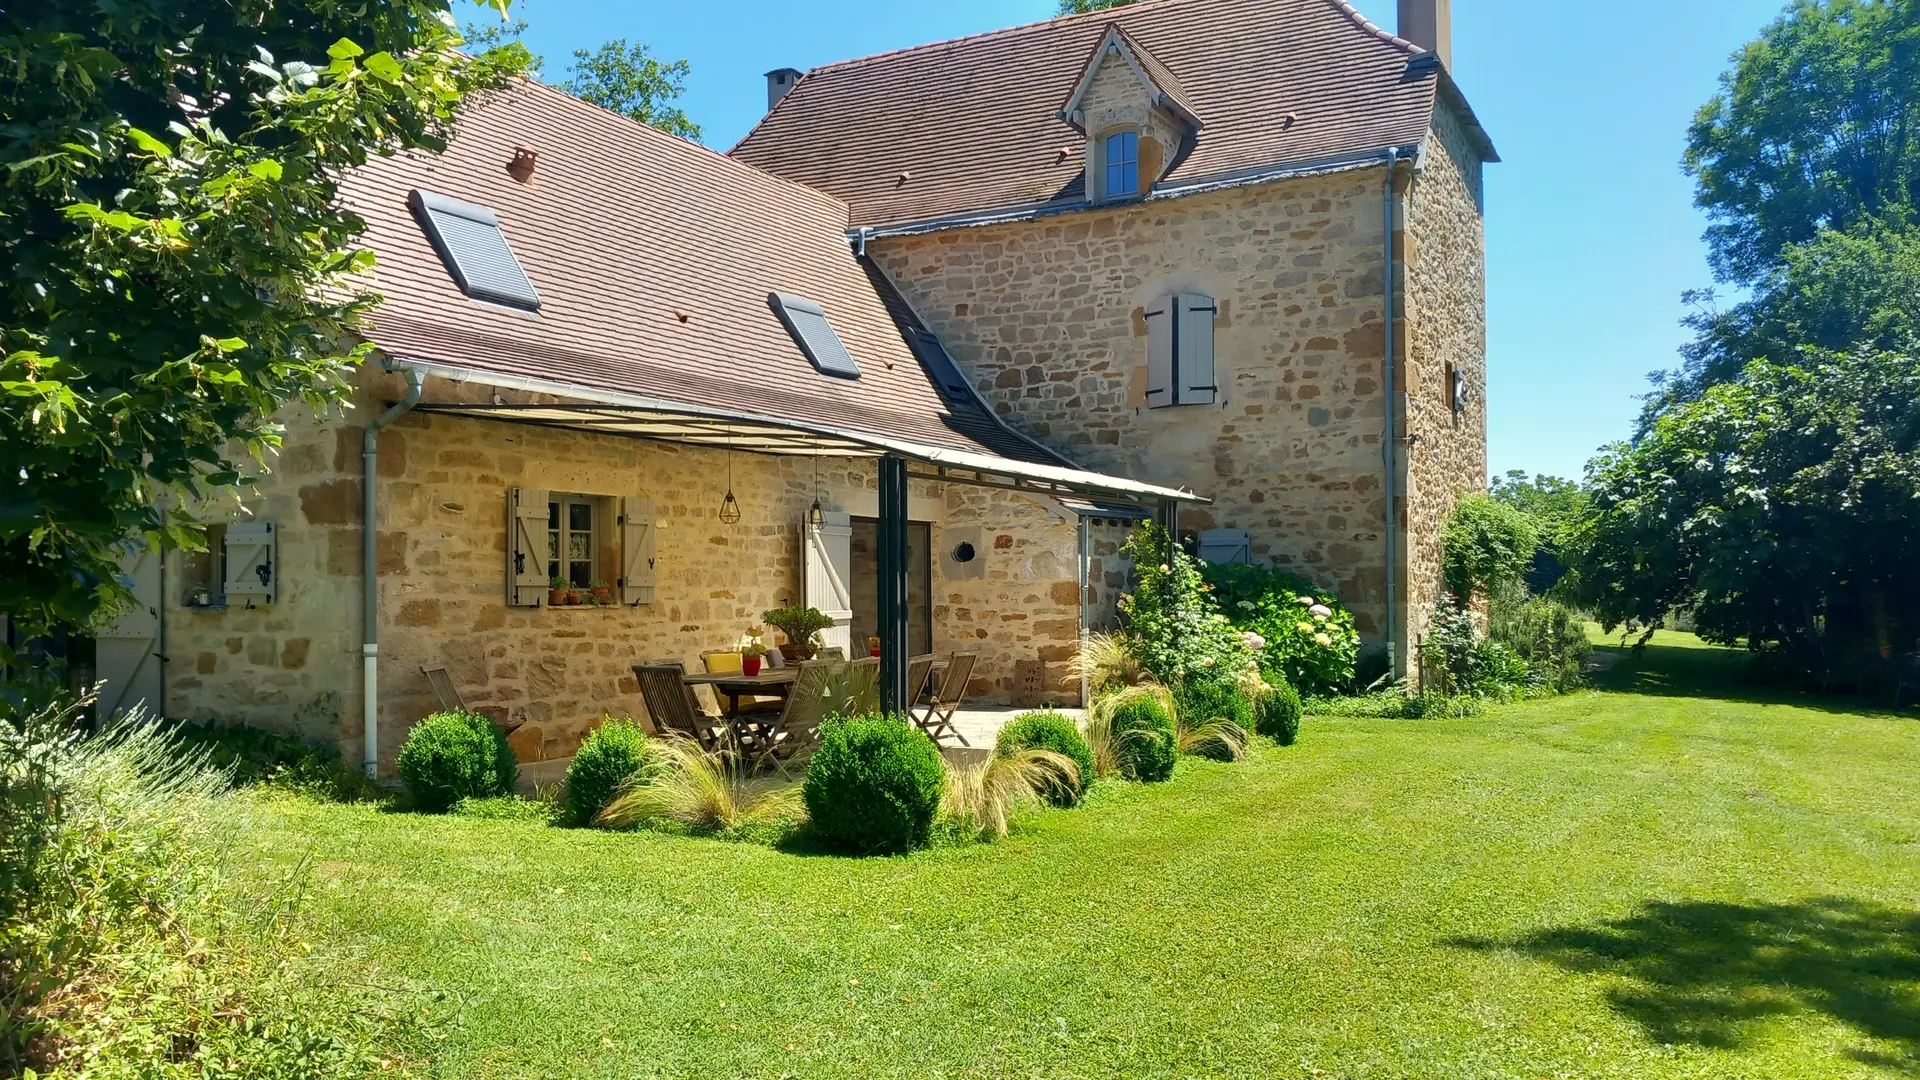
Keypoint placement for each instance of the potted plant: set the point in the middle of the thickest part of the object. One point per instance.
(556, 591)
(801, 625)
(574, 595)
(602, 592)
(751, 651)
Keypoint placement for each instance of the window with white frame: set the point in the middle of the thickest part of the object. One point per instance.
(1122, 158)
(571, 549)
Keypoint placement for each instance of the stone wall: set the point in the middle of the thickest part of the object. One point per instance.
(551, 674)
(1048, 317)
(1446, 314)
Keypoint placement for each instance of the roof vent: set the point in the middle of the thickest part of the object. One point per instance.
(469, 241)
(807, 322)
(521, 167)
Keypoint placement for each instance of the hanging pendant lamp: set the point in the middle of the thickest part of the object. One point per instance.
(815, 516)
(730, 506)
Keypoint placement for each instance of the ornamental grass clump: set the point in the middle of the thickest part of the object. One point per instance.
(981, 799)
(702, 790)
(455, 755)
(612, 754)
(1048, 730)
(1212, 718)
(874, 784)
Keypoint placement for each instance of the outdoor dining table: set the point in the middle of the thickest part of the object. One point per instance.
(735, 685)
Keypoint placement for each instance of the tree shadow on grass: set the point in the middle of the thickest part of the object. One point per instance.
(1712, 974)
(1714, 672)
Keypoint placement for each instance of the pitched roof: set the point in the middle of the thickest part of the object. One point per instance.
(974, 120)
(623, 230)
(1160, 81)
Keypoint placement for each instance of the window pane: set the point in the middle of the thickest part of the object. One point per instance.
(580, 516)
(580, 574)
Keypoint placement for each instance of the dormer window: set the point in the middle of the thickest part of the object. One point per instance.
(1123, 164)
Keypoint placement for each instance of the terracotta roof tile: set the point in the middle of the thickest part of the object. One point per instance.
(974, 120)
(623, 230)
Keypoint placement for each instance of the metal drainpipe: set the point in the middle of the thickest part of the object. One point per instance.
(370, 569)
(1086, 557)
(1392, 449)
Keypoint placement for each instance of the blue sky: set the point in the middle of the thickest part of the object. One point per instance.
(1591, 230)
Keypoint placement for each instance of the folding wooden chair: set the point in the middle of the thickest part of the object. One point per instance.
(946, 700)
(798, 728)
(671, 704)
(443, 689)
(917, 669)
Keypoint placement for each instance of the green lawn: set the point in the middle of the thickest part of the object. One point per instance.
(1652, 881)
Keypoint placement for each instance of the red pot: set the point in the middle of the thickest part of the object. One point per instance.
(750, 666)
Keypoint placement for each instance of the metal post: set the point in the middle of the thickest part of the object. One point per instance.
(1170, 521)
(893, 585)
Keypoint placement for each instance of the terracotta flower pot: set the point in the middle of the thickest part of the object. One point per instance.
(750, 666)
(556, 597)
(603, 595)
(573, 596)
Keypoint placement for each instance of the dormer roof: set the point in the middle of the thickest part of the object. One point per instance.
(1162, 85)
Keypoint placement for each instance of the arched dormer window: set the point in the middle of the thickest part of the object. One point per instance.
(1122, 157)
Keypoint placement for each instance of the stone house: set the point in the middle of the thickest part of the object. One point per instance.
(917, 352)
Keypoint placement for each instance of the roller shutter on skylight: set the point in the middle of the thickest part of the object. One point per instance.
(470, 242)
(807, 322)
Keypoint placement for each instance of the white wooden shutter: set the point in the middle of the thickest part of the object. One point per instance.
(125, 657)
(1160, 386)
(1226, 546)
(526, 547)
(829, 576)
(252, 571)
(636, 550)
(1193, 349)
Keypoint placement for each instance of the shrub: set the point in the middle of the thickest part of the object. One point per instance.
(1276, 713)
(1306, 637)
(455, 755)
(1549, 635)
(251, 756)
(1173, 627)
(1144, 737)
(1486, 546)
(1212, 718)
(612, 753)
(874, 784)
(1395, 704)
(1455, 660)
(1048, 730)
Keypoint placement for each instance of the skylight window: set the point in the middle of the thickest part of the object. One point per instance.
(469, 241)
(944, 372)
(807, 322)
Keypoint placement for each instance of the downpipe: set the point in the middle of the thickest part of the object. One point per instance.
(370, 569)
(1391, 449)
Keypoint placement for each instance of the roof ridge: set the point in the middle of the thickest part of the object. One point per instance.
(1371, 27)
(1112, 14)
(651, 131)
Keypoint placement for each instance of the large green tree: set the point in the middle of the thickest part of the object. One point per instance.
(628, 79)
(1782, 507)
(174, 266)
(1817, 126)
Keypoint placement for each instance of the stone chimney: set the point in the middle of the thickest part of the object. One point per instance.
(779, 82)
(1428, 24)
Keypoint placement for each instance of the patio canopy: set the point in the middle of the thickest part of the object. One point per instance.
(593, 409)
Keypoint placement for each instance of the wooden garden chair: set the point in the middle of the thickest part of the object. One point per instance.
(443, 689)
(671, 704)
(798, 728)
(937, 719)
(917, 670)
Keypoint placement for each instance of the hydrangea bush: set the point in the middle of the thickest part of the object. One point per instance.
(1300, 635)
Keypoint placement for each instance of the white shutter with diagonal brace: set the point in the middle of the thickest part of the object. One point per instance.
(251, 567)
(636, 551)
(526, 546)
(1193, 349)
(125, 657)
(829, 576)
